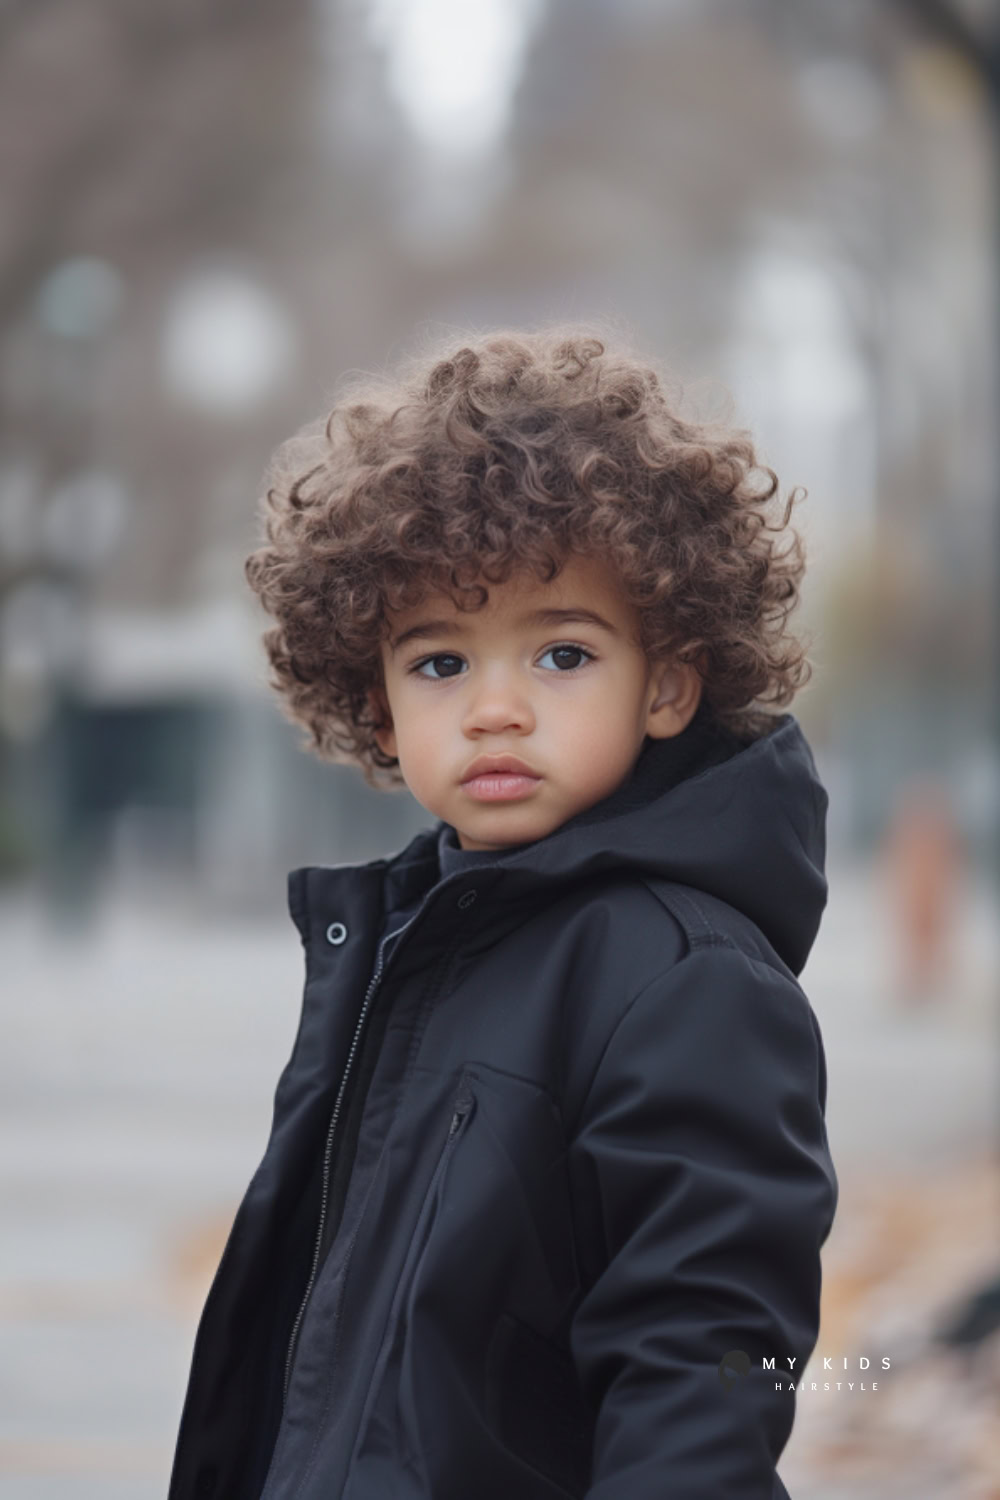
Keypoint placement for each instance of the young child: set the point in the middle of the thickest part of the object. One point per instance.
(542, 1207)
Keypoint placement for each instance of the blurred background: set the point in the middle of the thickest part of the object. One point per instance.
(209, 213)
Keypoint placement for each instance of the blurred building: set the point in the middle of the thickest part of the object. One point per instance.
(212, 213)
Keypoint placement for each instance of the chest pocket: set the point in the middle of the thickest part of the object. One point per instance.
(472, 1364)
(496, 1229)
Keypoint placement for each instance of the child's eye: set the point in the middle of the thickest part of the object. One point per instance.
(572, 651)
(560, 652)
(418, 666)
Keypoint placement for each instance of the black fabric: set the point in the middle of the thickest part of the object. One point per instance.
(586, 1141)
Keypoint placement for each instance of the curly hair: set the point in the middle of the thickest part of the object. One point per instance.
(509, 451)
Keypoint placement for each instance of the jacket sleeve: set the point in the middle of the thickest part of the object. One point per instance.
(701, 1157)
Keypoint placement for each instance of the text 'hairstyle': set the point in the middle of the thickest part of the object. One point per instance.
(509, 451)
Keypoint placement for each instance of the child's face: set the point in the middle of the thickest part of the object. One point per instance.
(570, 698)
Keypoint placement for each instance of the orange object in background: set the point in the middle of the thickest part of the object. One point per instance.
(924, 858)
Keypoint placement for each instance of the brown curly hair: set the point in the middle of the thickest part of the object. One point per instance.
(511, 450)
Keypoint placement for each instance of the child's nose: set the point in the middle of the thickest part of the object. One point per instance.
(500, 700)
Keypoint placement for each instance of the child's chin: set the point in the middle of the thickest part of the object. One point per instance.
(497, 833)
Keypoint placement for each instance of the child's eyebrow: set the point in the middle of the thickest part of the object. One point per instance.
(534, 617)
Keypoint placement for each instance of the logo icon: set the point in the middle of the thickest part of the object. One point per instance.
(733, 1365)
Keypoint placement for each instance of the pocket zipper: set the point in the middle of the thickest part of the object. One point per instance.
(464, 1108)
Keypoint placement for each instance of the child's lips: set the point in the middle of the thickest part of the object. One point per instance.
(500, 786)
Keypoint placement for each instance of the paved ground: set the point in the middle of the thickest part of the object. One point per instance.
(136, 1080)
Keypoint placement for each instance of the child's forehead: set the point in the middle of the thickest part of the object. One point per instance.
(580, 580)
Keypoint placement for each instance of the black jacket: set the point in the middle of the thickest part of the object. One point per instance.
(539, 1162)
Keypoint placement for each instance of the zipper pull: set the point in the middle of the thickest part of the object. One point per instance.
(460, 1112)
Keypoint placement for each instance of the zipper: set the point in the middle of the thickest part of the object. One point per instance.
(373, 985)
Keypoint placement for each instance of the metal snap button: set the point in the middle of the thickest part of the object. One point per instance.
(336, 933)
(466, 899)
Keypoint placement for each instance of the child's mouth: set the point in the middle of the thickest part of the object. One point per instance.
(500, 786)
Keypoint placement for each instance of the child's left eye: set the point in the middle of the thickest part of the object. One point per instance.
(574, 651)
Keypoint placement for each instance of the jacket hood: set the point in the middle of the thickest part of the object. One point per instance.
(745, 822)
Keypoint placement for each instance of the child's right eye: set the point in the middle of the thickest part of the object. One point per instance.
(418, 666)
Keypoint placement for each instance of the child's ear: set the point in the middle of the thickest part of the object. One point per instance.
(675, 691)
(384, 734)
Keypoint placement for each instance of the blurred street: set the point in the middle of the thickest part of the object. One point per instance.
(137, 1076)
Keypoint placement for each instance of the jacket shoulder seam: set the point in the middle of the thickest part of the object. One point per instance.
(699, 929)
